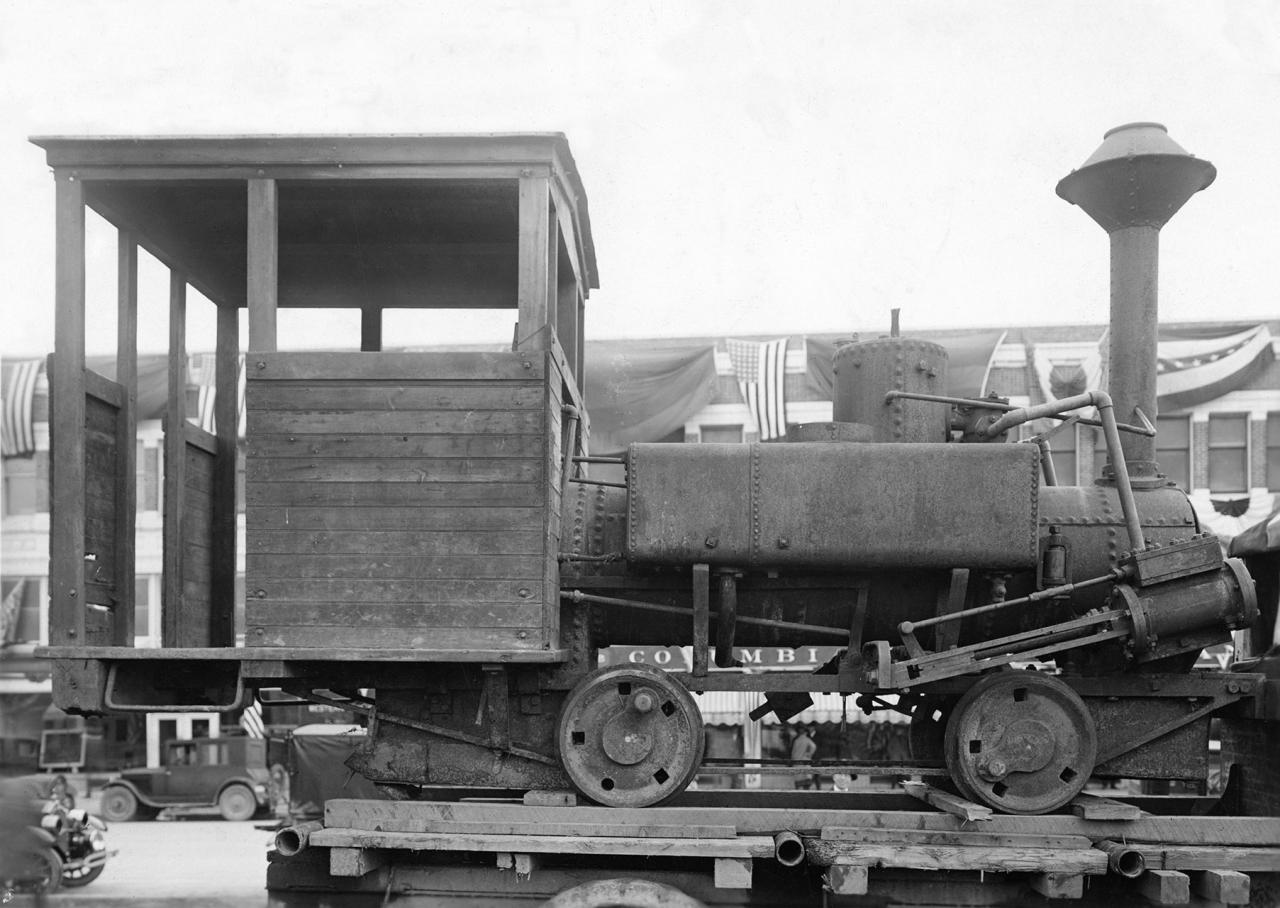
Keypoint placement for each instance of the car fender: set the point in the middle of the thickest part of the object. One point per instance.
(133, 789)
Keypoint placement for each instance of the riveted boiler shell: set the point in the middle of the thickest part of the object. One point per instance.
(865, 371)
(842, 507)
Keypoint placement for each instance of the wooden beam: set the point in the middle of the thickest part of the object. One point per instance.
(226, 405)
(733, 873)
(173, 630)
(957, 806)
(1230, 887)
(67, 414)
(739, 847)
(1058, 885)
(353, 862)
(847, 879)
(531, 293)
(122, 629)
(263, 264)
(1165, 887)
(371, 329)
(1091, 807)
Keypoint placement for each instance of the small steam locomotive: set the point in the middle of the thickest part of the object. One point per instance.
(428, 539)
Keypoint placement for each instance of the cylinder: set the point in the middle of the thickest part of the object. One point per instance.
(1123, 859)
(293, 839)
(867, 370)
(788, 848)
(1134, 261)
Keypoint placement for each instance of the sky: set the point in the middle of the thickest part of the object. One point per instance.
(752, 168)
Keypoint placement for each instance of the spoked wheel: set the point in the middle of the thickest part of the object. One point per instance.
(81, 876)
(1020, 742)
(629, 736)
(928, 728)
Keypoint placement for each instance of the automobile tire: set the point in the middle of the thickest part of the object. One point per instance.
(236, 802)
(119, 805)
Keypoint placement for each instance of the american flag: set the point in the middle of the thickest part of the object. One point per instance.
(760, 369)
(18, 434)
(203, 371)
(251, 721)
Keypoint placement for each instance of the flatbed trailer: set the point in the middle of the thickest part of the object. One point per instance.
(917, 846)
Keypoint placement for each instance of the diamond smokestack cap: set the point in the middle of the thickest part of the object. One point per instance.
(1137, 177)
(1136, 180)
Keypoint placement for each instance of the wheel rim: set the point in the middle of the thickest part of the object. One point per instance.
(630, 736)
(236, 803)
(1021, 742)
(119, 805)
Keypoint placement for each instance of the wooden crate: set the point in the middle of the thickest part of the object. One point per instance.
(403, 501)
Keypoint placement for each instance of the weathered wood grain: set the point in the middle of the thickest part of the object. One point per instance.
(947, 857)
(126, 432)
(741, 846)
(397, 470)
(424, 614)
(338, 494)
(445, 367)
(392, 445)
(409, 422)
(394, 567)
(263, 266)
(392, 519)
(427, 544)
(455, 589)
(463, 639)
(372, 396)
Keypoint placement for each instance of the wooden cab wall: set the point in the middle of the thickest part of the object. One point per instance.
(399, 505)
(404, 501)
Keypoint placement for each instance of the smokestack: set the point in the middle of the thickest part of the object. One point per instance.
(1132, 185)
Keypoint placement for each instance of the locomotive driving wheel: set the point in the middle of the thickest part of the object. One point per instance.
(629, 736)
(1020, 742)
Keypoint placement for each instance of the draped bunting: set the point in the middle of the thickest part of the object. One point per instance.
(1195, 366)
(644, 392)
(968, 362)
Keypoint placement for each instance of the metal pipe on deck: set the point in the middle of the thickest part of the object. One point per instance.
(293, 839)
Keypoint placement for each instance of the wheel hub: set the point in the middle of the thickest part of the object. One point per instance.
(630, 736)
(1020, 742)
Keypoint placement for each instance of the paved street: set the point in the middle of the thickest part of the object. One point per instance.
(196, 861)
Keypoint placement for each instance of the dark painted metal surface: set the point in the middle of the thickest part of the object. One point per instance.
(864, 371)
(834, 506)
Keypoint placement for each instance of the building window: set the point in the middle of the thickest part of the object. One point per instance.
(1173, 449)
(1273, 452)
(19, 485)
(142, 606)
(148, 477)
(720, 434)
(1228, 453)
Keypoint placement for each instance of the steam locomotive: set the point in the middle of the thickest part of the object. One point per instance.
(429, 540)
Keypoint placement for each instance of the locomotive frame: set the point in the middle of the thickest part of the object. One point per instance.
(425, 525)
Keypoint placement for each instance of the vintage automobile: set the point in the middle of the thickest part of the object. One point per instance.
(229, 773)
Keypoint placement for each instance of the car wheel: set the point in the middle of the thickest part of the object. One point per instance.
(73, 879)
(237, 803)
(119, 804)
(46, 867)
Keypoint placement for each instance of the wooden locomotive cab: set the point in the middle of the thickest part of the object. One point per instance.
(401, 507)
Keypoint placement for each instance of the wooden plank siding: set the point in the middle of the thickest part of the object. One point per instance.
(399, 501)
(102, 537)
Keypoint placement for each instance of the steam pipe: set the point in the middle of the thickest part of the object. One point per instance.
(1106, 411)
(293, 839)
(1123, 859)
(788, 848)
